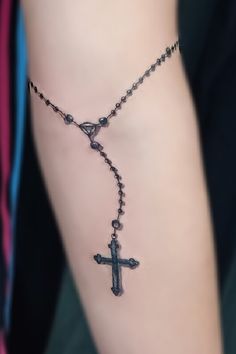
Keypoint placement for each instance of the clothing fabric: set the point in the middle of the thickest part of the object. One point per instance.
(12, 116)
(5, 161)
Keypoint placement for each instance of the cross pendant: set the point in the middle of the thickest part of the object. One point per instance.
(116, 264)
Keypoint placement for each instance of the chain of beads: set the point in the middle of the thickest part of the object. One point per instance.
(104, 120)
(120, 211)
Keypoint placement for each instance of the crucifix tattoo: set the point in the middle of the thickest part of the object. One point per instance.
(116, 264)
(91, 129)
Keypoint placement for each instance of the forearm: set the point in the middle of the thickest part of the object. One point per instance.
(84, 56)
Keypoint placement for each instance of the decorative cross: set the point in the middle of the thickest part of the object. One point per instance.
(116, 264)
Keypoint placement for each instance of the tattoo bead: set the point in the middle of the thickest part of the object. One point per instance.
(103, 121)
(116, 224)
(120, 211)
(140, 80)
(41, 96)
(103, 154)
(147, 73)
(153, 67)
(163, 57)
(47, 102)
(135, 86)
(94, 145)
(168, 52)
(68, 119)
(158, 61)
(118, 105)
(114, 169)
(129, 92)
(114, 236)
(113, 112)
(55, 108)
(123, 98)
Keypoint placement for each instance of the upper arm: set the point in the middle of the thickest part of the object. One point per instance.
(84, 55)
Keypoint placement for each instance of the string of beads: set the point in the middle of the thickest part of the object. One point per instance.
(91, 129)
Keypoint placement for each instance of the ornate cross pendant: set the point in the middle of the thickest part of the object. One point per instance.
(116, 264)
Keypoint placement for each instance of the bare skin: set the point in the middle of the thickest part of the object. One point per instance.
(84, 55)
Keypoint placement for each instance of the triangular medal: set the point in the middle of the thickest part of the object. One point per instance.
(88, 128)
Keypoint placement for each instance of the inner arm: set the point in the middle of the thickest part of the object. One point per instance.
(84, 56)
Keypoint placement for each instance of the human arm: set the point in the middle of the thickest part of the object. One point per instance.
(84, 55)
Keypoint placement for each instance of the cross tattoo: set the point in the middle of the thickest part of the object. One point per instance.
(116, 264)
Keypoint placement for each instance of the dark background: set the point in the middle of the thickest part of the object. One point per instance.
(47, 316)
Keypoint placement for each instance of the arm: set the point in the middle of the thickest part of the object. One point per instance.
(83, 55)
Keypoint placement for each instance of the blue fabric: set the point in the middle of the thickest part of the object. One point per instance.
(20, 92)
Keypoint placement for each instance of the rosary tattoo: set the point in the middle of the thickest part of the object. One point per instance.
(91, 130)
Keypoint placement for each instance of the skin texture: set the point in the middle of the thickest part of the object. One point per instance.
(84, 55)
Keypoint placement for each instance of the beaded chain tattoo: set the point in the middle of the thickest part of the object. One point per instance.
(91, 130)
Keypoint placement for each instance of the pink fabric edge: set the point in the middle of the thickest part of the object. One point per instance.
(2, 345)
